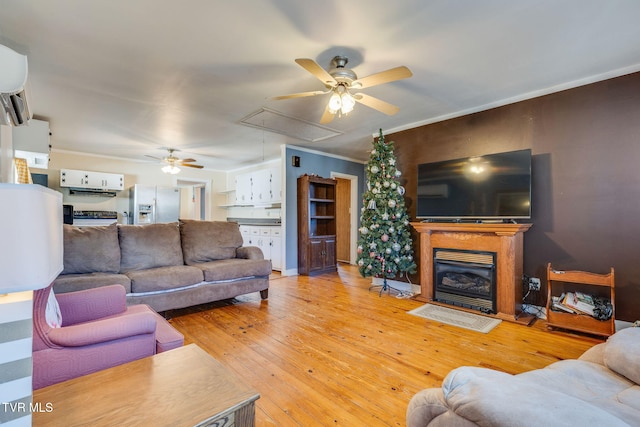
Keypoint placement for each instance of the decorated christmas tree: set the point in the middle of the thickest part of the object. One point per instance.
(384, 246)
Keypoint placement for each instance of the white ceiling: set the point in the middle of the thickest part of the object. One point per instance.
(125, 78)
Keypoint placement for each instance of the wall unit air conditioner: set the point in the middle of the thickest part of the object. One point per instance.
(14, 108)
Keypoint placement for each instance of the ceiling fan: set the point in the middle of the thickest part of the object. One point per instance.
(340, 81)
(172, 162)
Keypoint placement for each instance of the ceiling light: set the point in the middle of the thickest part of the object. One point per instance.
(171, 169)
(335, 103)
(347, 103)
(341, 101)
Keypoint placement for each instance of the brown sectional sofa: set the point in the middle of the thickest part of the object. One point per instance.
(166, 266)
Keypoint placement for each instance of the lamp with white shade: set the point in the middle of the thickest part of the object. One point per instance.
(31, 257)
(31, 227)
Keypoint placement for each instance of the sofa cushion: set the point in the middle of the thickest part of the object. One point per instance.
(77, 282)
(621, 353)
(149, 246)
(228, 269)
(488, 397)
(163, 278)
(91, 249)
(204, 241)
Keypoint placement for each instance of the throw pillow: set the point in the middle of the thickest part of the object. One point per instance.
(621, 353)
(52, 313)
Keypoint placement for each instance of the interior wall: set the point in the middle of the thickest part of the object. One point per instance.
(310, 163)
(6, 154)
(586, 188)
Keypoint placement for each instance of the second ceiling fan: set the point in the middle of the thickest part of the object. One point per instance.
(172, 162)
(340, 81)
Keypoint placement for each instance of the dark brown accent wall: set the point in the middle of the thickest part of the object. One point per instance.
(586, 176)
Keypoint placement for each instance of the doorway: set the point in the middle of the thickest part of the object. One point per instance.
(194, 199)
(346, 216)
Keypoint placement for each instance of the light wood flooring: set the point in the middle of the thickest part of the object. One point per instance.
(327, 351)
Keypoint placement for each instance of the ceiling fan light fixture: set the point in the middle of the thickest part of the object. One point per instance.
(335, 103)
(172, 169)
(339, 80)
(347, 103)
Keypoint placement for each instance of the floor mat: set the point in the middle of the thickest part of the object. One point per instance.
(451, 316)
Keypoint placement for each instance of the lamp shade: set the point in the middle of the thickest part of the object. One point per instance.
(31, 254)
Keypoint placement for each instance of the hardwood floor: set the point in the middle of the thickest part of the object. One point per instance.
(327, 351)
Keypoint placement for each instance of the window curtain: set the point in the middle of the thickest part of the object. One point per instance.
(23, 176)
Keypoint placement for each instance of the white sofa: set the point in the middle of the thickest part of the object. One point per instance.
(601, 388)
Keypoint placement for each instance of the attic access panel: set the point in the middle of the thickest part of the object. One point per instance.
(274, 121)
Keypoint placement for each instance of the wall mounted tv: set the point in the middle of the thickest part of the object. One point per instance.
(495, 186)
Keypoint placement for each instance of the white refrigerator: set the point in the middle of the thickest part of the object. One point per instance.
(150, 204)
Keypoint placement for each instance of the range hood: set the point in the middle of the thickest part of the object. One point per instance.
(91, 192)
(14, 109)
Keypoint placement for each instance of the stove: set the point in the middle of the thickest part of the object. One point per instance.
(94, 218)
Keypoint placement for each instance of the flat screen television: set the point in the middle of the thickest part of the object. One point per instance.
(495, 186)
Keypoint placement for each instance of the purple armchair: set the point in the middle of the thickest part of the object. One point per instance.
(97, 331)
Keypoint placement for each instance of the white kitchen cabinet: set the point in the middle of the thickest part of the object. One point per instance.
(245, 230)
(261, 187)
(275, 242)
(268, 239)
(276, 185)
(243, 189)
(107, 181)
(88, 179)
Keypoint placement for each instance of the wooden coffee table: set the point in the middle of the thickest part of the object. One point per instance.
(180, 387)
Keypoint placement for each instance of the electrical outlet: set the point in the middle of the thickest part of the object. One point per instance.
(534, 284)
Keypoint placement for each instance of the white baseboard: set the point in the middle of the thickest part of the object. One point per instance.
(289, 272)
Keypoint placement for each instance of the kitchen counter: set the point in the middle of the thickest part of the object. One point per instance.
(256, 221)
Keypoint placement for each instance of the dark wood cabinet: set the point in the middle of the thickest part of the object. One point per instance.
(316, 225)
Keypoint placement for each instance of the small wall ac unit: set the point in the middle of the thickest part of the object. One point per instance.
(14, 109)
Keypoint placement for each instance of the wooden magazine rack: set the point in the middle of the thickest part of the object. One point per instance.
(602, 285)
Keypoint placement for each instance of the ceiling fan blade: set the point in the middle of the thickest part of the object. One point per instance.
(301, 94)
(188, 165)
(376, 104)
(153, 157)
(388, 76)
(320, 73)
(327, 116)
(189, 160)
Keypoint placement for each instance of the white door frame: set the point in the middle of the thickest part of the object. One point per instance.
(353, 213)
(193, 182)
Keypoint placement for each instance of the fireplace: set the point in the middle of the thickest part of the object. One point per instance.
(465, 278)
(503, 239)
